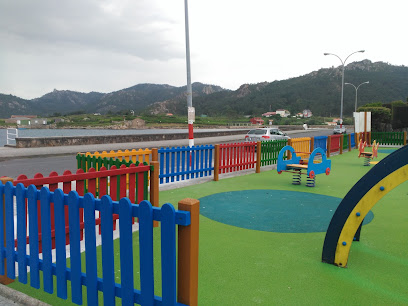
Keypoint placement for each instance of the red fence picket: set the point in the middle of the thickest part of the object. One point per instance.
(237, 156)
(128, 182)
(335, 143)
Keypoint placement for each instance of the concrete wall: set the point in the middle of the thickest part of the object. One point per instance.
(32, 142)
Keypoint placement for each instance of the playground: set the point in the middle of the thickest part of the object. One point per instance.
(261, 241)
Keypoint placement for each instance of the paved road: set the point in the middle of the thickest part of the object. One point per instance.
(14, 162)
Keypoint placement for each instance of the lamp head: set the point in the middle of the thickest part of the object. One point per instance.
(326, 53)
(362, 51)
(367, 82)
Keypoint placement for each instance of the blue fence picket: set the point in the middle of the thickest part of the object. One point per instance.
(146, 252)
(2, 207)
(107, 251)
(183, 163)
(167, 167)
(75, 247)
(352, 140)
(33, 234)
(21, 233)
(90, 250)
(161, 167)
(173, 164)
(206, 162)
(178, 158)
(187, 160)
(168, 254)
(61, 263)
(320, 142)
(146, 214)
(46, 239)
(10, 231)
(126, 251)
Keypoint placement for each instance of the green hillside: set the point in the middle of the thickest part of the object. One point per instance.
(318, 91)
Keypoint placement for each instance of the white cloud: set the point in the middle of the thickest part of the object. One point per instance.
(108, 45)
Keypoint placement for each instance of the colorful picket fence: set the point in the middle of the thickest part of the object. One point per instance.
(99, 183)
(345, 141)
(86, 162)
(183, 163)
(236, 156)
(389, 138)
(352, 140)
(270, 151)
(335, 143)
(365, 136)
(112, 158)
(167, 215)
(301, 146)
(320, 142)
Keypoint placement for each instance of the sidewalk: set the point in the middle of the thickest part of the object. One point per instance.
(10, 153)
(11, 297)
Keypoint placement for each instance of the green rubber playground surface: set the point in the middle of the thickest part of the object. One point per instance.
(240, 266)
(244, 258)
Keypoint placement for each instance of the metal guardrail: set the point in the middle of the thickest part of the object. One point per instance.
(12, 132)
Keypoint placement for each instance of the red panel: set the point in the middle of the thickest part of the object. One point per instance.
(335, 143)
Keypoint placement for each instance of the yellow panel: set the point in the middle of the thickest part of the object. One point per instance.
(363, 207)
(301, 145)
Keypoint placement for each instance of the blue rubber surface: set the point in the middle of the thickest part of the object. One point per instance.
(387, 151)
(278, 211)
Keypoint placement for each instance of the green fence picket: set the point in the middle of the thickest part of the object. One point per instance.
(388, 138)
(345, 141)
(270, 151)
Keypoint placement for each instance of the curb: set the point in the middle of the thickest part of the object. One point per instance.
(19, 298)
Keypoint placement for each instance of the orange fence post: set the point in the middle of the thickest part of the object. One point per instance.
(289, 144)
(405, 138)
(155, 154)
(349, 142)
(258, 157)
(328, 145)
(341, 143)
(216, 162)
(3, 278)
(154, 187)
(187, 282)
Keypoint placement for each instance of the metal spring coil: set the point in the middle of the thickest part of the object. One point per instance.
(296, 178)
(311, 182)
(367, 161)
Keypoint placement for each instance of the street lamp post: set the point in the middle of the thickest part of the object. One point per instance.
(356, 88)
(342, 80)
(190, 109)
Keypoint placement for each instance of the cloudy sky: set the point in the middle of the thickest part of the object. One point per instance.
(108, 45)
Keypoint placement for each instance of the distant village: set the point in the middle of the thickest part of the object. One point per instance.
(307, 113)
(33, 121)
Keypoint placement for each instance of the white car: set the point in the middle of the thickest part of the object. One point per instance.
(263, 134)
(339, 129)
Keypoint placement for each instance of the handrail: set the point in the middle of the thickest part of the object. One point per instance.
(9, 133)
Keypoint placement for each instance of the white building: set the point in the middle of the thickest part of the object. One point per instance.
(283, 112)
(307, 113)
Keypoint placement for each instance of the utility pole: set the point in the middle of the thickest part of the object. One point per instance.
(190, 108)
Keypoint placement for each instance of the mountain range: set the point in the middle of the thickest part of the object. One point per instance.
(318, 91)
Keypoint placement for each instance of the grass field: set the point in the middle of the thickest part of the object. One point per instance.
(238, 266)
